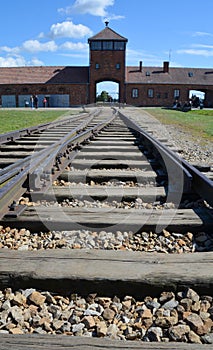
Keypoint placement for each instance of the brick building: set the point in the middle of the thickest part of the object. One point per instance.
(65, 86)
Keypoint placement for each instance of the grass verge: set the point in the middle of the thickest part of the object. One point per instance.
(17, 119)
(198, 123)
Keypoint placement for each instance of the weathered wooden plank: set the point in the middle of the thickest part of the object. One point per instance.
(104, 193)
(58, 342)
(19, 154)
(30, 141)
(112, 142)
(114, 163)
(7, 161)
(105, 175)
(106, 272)
(111, 154)
(112, 219)
(25, 148)
(112, 148)
(115, 137)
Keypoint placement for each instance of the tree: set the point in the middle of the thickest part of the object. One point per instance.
(103, 97)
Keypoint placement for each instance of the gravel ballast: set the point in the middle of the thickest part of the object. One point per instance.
(181, 317)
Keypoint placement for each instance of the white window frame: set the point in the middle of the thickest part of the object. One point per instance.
(176, 93)
(150, 93)
(134, 93)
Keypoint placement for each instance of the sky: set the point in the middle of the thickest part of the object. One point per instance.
(56, 32)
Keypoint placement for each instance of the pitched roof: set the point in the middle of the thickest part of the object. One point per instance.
(80, 75)
(156, 75)
(107, 34)
(44, 74)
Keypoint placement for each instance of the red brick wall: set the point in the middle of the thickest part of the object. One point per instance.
(78, 92)
(81, 94)
(107, 70)
(163, 94)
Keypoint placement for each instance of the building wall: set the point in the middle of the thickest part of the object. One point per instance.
(82, 94)
(107, 71)
(78, 93)
(164, 95)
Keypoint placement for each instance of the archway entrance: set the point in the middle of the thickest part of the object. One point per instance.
(197, 97)
(107, 91)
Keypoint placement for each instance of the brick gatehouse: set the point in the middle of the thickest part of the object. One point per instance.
(66, 86)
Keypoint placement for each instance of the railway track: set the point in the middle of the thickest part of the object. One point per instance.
(87, 205)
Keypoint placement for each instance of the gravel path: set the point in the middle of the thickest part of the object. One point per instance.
(193, 150)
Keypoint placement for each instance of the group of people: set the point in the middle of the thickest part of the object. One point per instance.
(34, 101)
(194, 102)
(186, 106)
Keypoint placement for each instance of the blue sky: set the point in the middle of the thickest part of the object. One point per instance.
(55, 32)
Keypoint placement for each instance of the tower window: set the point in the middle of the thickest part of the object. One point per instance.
(100, 45)
(119, 45)
(97, 66)
(107, 45)
(117, 66)
(95, 45)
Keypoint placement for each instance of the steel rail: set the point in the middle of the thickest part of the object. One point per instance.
(37, 174)
(194, 180)
(13, 169)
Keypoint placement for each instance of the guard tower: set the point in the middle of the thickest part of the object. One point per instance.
(107, 60)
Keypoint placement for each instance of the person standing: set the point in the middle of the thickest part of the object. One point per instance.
(32, 101)
(35, 100)
(44, 102)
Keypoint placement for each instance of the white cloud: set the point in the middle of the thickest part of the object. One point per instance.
(134, 56)
(205, 53)
(202, 34)
(36, 46)
(68, 45)
(113, 17)
(10, 50)
(12, 61)
(69, 30)
(204, 46)
(36, 62)
(92, 7)
(18, 61)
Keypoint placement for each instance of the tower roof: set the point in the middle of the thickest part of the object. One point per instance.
(107, 34)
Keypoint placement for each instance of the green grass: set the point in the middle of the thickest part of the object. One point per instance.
(199, 123)
(16, 119)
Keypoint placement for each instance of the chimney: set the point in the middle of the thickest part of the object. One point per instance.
(166, 66)
(140, 66)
